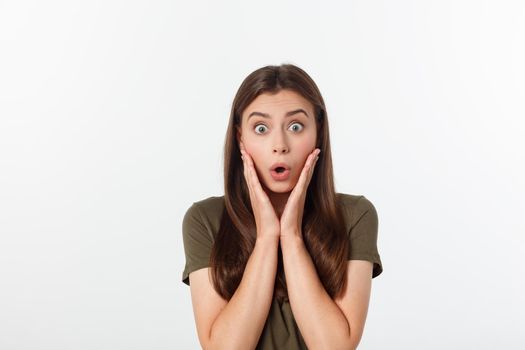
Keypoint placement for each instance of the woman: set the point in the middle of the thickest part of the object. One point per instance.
(281, 261)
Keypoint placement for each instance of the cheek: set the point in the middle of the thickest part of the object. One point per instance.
(255, 152)
(305, 148)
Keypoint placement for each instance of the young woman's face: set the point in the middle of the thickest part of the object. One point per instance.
(278, 138)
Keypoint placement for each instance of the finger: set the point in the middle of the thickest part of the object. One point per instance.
(254, 186)
(312, 168)
(247, 175)
(315, 155)
(245, 170)
(304, 178)
(255, 179)
(310, 174)
(308, 166)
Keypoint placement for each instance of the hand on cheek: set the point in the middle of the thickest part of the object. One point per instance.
(292, 217)
(266, 220)
(290, 223)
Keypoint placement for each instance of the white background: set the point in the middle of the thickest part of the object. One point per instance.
(113, 118)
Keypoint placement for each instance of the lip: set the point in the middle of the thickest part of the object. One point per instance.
(280, 176)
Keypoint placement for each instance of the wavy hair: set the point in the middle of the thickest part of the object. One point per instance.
(323, 224)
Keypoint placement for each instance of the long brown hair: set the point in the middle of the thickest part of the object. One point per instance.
(323, 225)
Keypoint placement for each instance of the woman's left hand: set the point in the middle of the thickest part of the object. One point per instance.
(292, 216)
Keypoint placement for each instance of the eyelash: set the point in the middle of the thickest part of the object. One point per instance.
(302, 126)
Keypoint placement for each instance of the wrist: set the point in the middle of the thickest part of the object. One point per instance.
(292, 238)
(267, 240)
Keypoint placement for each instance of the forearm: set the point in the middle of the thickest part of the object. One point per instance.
(239, 325)
(321, 322)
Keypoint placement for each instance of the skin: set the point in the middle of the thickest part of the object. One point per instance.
(279, 138)
(343, 319)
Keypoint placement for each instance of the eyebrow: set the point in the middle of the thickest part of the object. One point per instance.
(290, 113)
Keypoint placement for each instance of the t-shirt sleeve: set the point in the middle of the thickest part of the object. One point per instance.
(363, 235)
(197, 242)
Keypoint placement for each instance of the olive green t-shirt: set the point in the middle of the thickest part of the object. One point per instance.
(201, 223)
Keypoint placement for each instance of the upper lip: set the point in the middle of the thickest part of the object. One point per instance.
(280, 164)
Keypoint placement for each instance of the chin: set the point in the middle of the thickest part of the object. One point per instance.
(280, 187)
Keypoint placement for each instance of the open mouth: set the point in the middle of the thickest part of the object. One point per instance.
(280, 173)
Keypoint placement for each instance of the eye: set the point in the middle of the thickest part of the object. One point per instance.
(297, 129)
(258, 128)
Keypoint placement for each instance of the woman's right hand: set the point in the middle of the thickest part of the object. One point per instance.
(266, 219)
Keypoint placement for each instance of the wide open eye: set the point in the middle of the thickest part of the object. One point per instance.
(296, 129)
(260, 127)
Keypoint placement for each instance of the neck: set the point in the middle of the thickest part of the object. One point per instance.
(278, 201)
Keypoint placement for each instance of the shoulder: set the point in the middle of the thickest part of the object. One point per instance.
(204, 215)
(355, 206)
(210, 206)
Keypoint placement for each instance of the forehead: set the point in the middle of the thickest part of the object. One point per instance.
(278, 104)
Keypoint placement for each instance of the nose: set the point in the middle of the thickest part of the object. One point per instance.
(280, 145)
(280, 149)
